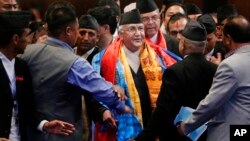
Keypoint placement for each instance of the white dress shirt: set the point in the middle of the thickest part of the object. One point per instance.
(9, 66)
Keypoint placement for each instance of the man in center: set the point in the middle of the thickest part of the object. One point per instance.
(132, 64)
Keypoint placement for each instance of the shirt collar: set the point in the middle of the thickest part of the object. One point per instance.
(154, 39)
(86, 55)
(61, 43)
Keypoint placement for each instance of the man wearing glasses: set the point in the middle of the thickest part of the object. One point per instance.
(150, 16)
(132, 64)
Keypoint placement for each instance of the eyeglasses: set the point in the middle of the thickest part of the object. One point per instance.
(133, 29)
(153, 18)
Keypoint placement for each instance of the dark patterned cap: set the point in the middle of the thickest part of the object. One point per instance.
(167, 2)
(208, 21)
(192, 9)
(88, 21)
(146, 6)
(14, 20)
(194, 31)
(131, 17)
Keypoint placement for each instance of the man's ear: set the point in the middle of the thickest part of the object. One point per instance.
(120, 34)
(107, 27)
(15, 39)
(67, 30)
(97, 37)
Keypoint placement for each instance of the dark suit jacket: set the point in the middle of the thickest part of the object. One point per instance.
(24, 99)
(90, 57)
(172, 44)
(185, 83)
(219, 48)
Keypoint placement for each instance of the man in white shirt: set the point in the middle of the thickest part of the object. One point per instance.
(16, 99)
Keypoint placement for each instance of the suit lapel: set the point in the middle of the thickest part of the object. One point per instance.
(19, 76)
(4, 79)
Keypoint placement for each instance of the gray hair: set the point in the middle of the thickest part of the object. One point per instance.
(195, 46)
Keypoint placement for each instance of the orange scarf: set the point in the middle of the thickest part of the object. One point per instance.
(158, 47)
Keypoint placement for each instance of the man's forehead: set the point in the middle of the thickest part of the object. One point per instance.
(87, 30)
(8, 1)
(130, 25)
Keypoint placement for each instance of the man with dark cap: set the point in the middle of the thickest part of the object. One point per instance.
(185, 83)
(151, 19)
(131, 63)
(227, 103)
(86, 48)
(212, 49)
(60, 77)
(192, 10)
(86, 43)
(16, 97)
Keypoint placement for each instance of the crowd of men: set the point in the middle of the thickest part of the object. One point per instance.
(109, 75)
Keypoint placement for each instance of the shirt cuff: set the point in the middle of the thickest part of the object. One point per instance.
(40, 126)
(120, 106)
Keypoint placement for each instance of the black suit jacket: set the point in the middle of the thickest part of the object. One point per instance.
(185, 83)
(219, 48)
(172, 44)
(93, 53)
(26, 115)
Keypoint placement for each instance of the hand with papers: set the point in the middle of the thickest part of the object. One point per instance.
(183, 114)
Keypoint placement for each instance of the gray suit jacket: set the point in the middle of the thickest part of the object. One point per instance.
(228, 101)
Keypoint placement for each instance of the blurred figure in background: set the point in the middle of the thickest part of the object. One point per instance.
(176, 24)
(192, 11)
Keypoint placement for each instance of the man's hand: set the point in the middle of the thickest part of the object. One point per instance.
(4, 139)
(120, 92)
(127, 110)
(179, 128)
(58, 127)
(215, 60)
(109, 120)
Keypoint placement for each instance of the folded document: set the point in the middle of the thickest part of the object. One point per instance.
(183, 114)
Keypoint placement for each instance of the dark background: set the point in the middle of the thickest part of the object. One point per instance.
(206, 5)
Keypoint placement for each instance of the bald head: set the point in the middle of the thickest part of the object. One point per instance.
(238, 29)
(8, 5)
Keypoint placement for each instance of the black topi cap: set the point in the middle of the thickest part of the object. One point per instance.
(88, 21)
(208, 21)
(167, 2)
(131, 17)
(192, 9)
(194, 31)
(14, 20)
(146, 6)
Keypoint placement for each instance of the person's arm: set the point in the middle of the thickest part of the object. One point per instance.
(223, 87)
(4, 139)
(82, 75)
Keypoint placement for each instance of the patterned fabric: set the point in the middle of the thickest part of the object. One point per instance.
(128, 127)
(152, 71)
